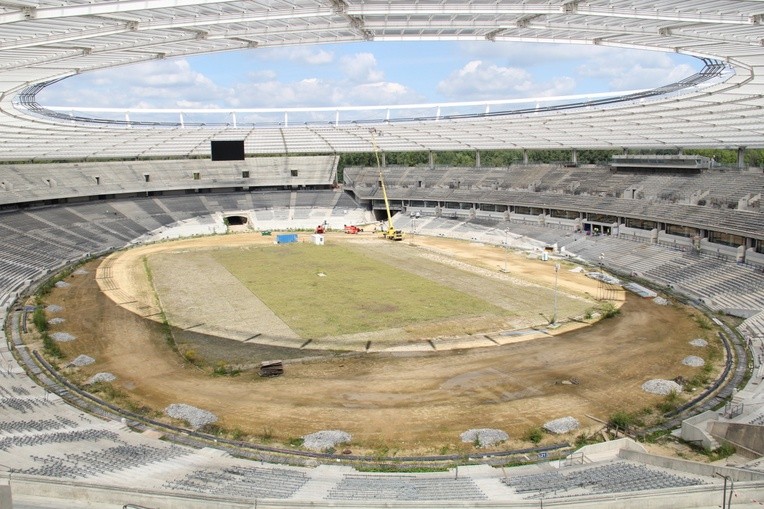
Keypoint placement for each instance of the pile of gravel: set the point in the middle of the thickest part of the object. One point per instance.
(661, 301)
(62, 284)
(562, 425)
(324, 440)
(82, 360)
(484, 437)
(699, 342)
(55, 321)
(195, 417)
(662, 387)
(694, 361)
(101, 377)
(54, 308)
(62, 337)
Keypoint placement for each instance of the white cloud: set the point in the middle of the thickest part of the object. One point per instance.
(627, 70)
(524, 54)
(361, 68)
(380, 93)
(155, 84)
(484, 80)
(298, 54)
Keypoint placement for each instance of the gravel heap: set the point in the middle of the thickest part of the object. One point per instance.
(662, 387)
(661, 301)
(82, 360)
(326, 439)
(562, 425)
(101, 377)
(485, 437)
(62, 337)
(699, 342)
(694, 361)
(62, 284)
(54, 308)
(56, 320)
(195, 417)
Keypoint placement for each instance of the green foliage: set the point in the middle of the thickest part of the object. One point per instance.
(534, 435)
(191, 356)
(266, 434)
(703, 322)
(654, 437)
(296, 441)
(223, 369)
(50, 346)
(621, 420)
(39, 320)
(608, 310)
(670, 402)
(582, 440)
(107, 392)
(724, 451)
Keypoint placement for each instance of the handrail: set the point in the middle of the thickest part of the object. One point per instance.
(711, 69)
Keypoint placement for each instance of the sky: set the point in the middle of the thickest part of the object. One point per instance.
(370, 73)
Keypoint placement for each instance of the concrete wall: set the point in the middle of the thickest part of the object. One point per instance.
(748, 438)
(691, 467)
(6, 501)
(58, 493)
(694, 429)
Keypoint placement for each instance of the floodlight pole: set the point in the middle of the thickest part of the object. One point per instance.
(724, 493)
(506, 247)
(413, 227)
(556, 272)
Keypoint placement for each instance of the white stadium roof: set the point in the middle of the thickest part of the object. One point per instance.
(43, 41)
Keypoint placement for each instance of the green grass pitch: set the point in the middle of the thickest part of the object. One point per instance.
(332, 290)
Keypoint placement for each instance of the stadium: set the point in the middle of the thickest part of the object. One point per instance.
(80, 195)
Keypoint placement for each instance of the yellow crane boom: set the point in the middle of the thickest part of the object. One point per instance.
(391, 232)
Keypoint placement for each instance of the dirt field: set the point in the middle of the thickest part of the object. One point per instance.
(405, 401)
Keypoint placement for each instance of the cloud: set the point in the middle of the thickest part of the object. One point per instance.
(479, 80)
(628, 69)
(361, 68)
(155, 84)
(524, 54)
(380, 93)
(298, 54)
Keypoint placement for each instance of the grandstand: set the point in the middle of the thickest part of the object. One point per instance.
(76, 186)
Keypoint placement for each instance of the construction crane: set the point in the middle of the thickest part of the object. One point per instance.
(391, 233)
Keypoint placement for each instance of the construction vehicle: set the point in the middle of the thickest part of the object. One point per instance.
(352, 229)
(391, 233)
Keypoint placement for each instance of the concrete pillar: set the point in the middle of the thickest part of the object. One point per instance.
(574, 156)
(525, 156)
(741, 157)
(477, 159)
(6, 499)
(431, 159)
(383, 158)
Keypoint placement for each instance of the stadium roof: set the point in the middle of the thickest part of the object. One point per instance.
(46, 40)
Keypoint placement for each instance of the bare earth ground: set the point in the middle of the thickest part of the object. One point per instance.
(412, 402)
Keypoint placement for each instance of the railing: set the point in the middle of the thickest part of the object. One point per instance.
(280, 117)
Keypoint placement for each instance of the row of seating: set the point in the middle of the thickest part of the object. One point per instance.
(247, 482)
(614, 477)
(390, 487)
